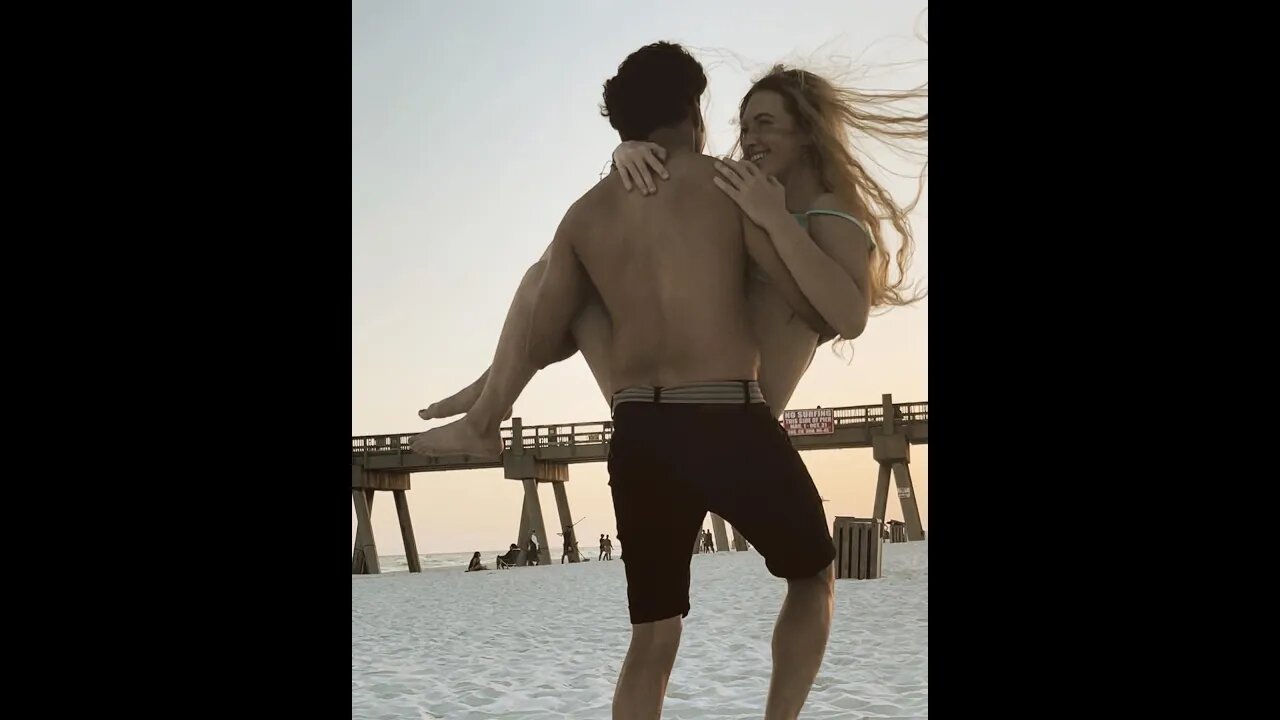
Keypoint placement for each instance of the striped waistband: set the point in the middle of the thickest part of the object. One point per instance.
(724, 392)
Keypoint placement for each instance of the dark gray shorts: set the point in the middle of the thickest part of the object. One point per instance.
(672, 462)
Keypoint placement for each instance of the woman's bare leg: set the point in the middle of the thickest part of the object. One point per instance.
(593, 334)
(786, 344)
(477, 432)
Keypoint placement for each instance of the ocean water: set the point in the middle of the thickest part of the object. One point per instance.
(458, 561)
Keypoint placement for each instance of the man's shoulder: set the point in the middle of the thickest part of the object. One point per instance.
(584, 214)
(691, 164)
(693, 178)
(581, 212)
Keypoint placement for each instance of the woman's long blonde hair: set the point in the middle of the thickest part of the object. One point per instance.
(832, 117)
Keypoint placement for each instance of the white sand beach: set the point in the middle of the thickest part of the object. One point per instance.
(547, 642)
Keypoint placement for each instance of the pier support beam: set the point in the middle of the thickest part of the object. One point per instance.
(721, 535)
(566, 521)
(406, 531)
(739, 542)
(893, 453)
(533, 509)
(364, 555)
(519, 464)
(907, 495)
(522, 535)
(882, 491)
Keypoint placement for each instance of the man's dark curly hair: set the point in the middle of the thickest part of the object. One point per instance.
(657, 86)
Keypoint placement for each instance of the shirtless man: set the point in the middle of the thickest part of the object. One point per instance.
(692, 433)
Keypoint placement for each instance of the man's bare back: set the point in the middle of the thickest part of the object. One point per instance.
(670, 270)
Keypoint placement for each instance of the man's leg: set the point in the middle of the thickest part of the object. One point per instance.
(758, 483)
(642, 684)
(799, 642)
(657, 515)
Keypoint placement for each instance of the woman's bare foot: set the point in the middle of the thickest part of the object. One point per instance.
(458, 438)
(458, 403)
(431, 413)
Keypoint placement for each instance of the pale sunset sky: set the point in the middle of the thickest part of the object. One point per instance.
(474, 127)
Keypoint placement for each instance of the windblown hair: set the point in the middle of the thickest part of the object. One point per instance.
(832, 116)
(657, 86)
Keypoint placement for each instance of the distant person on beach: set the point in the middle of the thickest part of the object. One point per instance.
(608, 548)
(689, 348)
(475, 563)
(508, 560)
(603, 548)
(569, 545)
(534, 558)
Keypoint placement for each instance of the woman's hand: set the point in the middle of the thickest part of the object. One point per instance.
(634, 158)
(760, 196)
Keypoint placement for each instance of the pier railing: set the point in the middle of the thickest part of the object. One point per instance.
(600, 432)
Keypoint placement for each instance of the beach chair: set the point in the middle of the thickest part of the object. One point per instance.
(503, 562)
